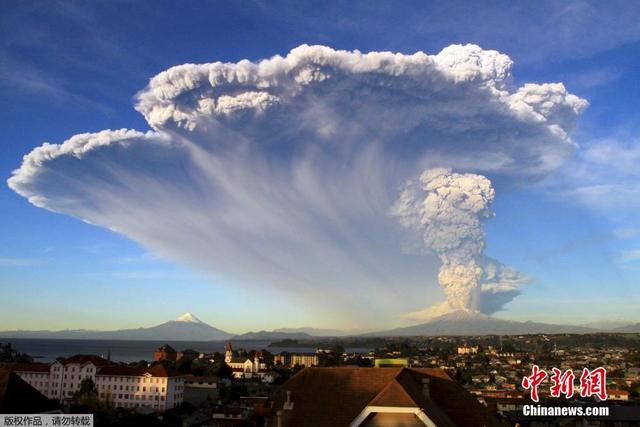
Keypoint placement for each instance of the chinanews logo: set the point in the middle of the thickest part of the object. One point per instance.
(592, 383)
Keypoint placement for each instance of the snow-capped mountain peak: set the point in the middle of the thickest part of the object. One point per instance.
(188, 317)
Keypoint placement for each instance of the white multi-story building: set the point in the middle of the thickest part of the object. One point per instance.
(156, 387)
(299, 359)
(126, 387)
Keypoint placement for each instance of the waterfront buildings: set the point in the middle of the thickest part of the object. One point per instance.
(296, 359)
(156, 387)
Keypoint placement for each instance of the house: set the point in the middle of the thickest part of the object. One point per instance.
(354, 397)
(166, 352)
(613, 394)
(466, 349)
(188, 354)
(197, 389)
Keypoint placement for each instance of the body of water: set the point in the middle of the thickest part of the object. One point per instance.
(47, 350)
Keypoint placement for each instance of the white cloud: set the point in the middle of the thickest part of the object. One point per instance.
(630, 256)
(281, 173)
(603, 176)
(15, 262)
(626, 233)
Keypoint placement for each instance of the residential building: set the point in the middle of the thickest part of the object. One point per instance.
(466, 349)
(197, 389)
(614, 394)
(166, 352)
(296, 359)
(157, 387)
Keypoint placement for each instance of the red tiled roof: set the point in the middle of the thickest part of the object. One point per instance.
(393, 394)
(336, 396)
(163, 371)
(122, 371)
(81, 359)
(25, 367)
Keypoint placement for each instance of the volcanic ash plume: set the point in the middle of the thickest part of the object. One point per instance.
(449, 209)
(277, 175)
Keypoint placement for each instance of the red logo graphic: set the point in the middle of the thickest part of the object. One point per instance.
(562, 383)
(592, 383)
(533, 381)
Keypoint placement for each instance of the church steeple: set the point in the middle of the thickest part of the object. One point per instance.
(228, 353)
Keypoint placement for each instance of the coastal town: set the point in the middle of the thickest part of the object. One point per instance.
(238, 387)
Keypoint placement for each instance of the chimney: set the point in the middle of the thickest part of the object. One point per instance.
(288, 404)
(425, 387)
(109, 356)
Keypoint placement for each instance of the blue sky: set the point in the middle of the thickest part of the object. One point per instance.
(70, 67)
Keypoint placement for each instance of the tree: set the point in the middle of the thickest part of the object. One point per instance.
(224, 371)
(183, 366)
(87, 395)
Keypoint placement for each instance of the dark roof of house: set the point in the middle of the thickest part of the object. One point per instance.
(131, 371)
(25, 367)
(81, 359)
(336, 396)
(18, 397)
(166, 348)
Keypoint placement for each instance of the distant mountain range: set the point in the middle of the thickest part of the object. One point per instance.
(186, 328)
(467, 322)
(628, 329)
(608, 325)
(318, 332)
(462, 322)
(272, 335)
